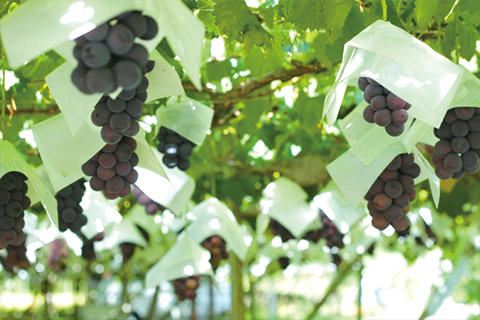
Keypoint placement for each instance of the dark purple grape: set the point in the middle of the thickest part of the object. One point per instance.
(123, 168)
(124, 152)
(399, 116)
(407, 183)
(120, 121)
(100, 80)
(444, 131)
(136, 22)
(132, 130)
(470, 160)
(393, 189)
(97, 184)
(382, 201)
(127, 94)
(143, 86)
(105, 174)
(185, 150)
(368, 113)
(460, 128)
(393, 213)
(474, 140)
(460, 145)
(383, 117)
(362, 83)
(116, 106)
(378, 103)
(395, 129)
(170, 161)
(450, 117)
(138, 54)
(114, 185)
(120, 39)
(464, 113)
(134, 108)
(442, 172)
(442, 148)
(395, 164)
(107, 160)
(152, 29)
(98, 34)
(95, 55)
(474, 123)
(183, 164)
(394, 102)
(413, 170)
(79, 79)
(372, 91)
(101, 114)
(89, 168)
(109, 135)
(127, 74)
(453, 162)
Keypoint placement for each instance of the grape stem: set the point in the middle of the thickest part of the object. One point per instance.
(153, 304)
(384, 10)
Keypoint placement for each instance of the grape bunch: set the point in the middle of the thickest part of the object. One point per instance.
(390, 195)
(328, 231)
(185, 288)
(385, 108)
(278, 229)
(151, 206)
(458, 150)
(70, 213)
(176, 148)
(109, 58)
(283, 262)
(112, 168)
(16, 257)
(218, 250)
(128, 248)
(88, 248)
(13, 202)
(57, 255)
(119, 117)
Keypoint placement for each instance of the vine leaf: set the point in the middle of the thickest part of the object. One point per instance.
(235, 20)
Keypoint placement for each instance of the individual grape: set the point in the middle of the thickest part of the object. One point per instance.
(395, 129)
(4, 196)
(395, 164)
(413, 170)
(474, 140)
(105, 173)
(97, 184)
(107, 160)
(185, 150)
(138, 54)
(401, 224)
(183, 164)
(134, 108)
(442, 148)
(136, 22)
(95, 55)
(217, 248)
(474, 123)
(127, 74)
(79, 79)
(388, 175)
(393, 189)
(185, 288)
(460, 145)
(109, 135)
(123, 152)
(383, 117)
(470, 161)
(98, 34)
(89, 168)
(464, 113)
(379, 221)
(362, 83)
(399, 116)
(453, 162)
(460, 128)
(133, 130)
(368, 114)
(116, 106)
(394, 102)
(127, 94)
(100, 80)
(450, 117)
(393, 213)
(444, 131)
(402, 201)
(378, 103)
(372, 91)
(114, 185)
(13, 208)
(382, 201)
(123, 168)
(171, 149)
(120, 122)
(377, 187)
(170, 161)
(152, 29)
(143, 86)
(131, 177)
(407, 182)
(134, 160)
(120, 39)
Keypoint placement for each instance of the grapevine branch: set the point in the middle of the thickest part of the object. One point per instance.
(224, 102)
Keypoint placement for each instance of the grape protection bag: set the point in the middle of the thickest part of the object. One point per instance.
(75, 105)
(369, 144)
(64, 153)
(212, 217)
(285, 201)
(172, 193)
(404, 65)
(46, 25)
(38, 188)
(189, 118)
(185, 258)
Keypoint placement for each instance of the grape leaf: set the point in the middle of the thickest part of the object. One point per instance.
(467, 35)
(235, 20)
(424, 12)
(307, 14)
(336, 13)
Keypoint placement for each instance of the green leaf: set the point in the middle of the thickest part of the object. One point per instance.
(467, 38)
(336, 13)
(424, 12)
(310, 110)
(216, 70)
(235, 20)
(260, 63)
(307, 14)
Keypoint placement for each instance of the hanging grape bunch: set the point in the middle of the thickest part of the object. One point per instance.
(390, 195)
(128, 248)
(185, 288)
(218, 250)
(385, 108)
(16, 257)
(150, 206)
(458, 150)
(57, 255)
(176, 148)
(330, 233)
(109, 58)
(13, 202)
(278, 229)
(112, 168)
(70, 213)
